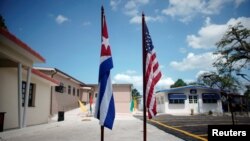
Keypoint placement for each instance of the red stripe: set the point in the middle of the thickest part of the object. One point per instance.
(148, 70)
(155, 67)
(105, 29)
(156, 77)
(150, 94)
(153, 56)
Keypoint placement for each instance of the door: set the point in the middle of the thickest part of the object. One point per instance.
(193, 104)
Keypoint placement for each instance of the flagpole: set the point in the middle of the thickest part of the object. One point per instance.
(144, 86)
(102, 9)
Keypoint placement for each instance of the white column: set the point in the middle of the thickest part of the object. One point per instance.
(26, 96)
(19, 85)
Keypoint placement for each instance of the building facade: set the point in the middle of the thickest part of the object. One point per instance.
(122, 96)
(189, 100)
(24, 92)
(65, 96)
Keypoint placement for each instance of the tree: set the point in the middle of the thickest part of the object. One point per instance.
(135, 94)
(2, 22)
(178, 83)
(247, 93)
(234, 50)
(222, 82)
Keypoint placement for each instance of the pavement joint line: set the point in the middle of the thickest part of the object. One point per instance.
(179, 130)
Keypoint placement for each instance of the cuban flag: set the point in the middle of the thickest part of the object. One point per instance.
(105, 107)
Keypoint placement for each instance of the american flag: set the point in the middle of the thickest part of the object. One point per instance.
(105, 107)
(152, 73)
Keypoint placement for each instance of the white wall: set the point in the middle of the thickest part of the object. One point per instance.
(185, 109)
(8, 97)
(9, 100)
(64, 101)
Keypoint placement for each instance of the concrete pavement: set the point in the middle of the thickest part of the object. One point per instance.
(78, 127)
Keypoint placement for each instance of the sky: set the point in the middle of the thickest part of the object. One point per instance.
(67, 34)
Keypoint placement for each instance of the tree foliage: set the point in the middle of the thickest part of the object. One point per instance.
(234, 50)
(222, 82)
(135, 94)
(178, 83)
(2, 22)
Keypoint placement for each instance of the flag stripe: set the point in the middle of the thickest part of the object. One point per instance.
(105, 101)
(152, 74)
(105, 107)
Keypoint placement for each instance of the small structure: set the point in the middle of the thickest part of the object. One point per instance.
(189, 100)
(122, 96)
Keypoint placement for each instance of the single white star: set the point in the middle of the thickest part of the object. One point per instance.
(105, 41)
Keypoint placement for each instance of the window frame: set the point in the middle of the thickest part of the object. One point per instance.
(210, 100)
(69, 89)
(176, 100)
(74, 91)
(31, 95)
(193, 100)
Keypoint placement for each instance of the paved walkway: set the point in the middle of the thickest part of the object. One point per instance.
(78, 127)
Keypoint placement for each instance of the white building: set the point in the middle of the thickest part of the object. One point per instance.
(189, 100)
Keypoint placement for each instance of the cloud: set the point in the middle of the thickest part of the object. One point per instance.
(165, 83)
(114, 4)
(86, 23)
(186, 10)
(239, 2)
(183, 50)
(201, 72)
(131, 9)
(60, 19)
(209, 34)
(128, 78)
(137, 19)
(192, 62)
(131, 76)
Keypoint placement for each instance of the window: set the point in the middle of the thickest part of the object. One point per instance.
(74, 91)
(176, 101)
(210, 97)
(78, 93)
(31, 99)
(177, 98)
(192, 98)
(69, 89)
(209, 101)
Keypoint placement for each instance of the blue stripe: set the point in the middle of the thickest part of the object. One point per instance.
(110, 115)
(105, 67)
(102, 83)
(104, 74)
